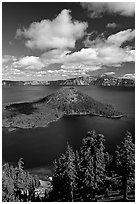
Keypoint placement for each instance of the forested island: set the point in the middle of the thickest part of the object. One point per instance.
(66, 101)
(88, 174)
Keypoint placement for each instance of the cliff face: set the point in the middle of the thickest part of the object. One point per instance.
(87, 80)
(23, 83)
(66, 101)
(103, 80)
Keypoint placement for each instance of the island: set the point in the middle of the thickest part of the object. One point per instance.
(66, 101)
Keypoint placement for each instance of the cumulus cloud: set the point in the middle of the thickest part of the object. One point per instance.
(81, 60)
(8, 58)
(29, 62)
(111, 25)
(97, 9)
(59, 33)
(100, 56)
(110, 73)
(121, 37)
(100, 53)
(129, 76)
(114, 39)
(54, 56)
(21, 68)
(8, 70)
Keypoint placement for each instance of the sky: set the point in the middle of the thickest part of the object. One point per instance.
(59, 40)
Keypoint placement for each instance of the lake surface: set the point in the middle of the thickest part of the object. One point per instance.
(39, 147)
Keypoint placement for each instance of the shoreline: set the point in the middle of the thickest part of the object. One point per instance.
(11, 128)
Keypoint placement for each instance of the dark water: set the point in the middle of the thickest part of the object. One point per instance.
(40, 146)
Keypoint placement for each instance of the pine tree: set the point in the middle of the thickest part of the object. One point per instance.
(71, 171)
(59, 180)
(16, 183)
(8, 190)
(125, 161)
(86, 170)
(108, 173)
(93, 164)
(79, 176)
(65, 176)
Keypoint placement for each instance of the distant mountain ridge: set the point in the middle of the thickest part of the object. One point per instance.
(103, 80)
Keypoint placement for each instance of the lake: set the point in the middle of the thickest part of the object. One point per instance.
(39, 147)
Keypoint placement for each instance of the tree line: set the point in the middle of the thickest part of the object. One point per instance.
(17, 184)
(88, 175)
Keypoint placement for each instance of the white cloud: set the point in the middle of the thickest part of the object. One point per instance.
(121, 37)
(129, 76)
(100, 53)
(29, 62)
(8, 58)
(67, 72)
(60, 33)
(110, 73)
(115, 39)
(81, 60)
(97, 9)
(99, 56)
(54, 56)
(111, 25)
